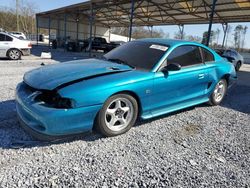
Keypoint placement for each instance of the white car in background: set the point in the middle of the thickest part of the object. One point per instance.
(13, 47)
(19, 35)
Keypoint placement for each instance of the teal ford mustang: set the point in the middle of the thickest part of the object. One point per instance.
(140, 79)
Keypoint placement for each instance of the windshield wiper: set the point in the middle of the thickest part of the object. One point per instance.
(119, 61)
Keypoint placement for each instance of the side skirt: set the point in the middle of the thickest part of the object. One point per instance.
(174, 108)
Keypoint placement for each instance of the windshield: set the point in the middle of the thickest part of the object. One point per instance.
(138, 54)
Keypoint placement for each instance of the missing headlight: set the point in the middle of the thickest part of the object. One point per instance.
(54, 100)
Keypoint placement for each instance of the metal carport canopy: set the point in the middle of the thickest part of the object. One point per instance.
(123, 13)
(113, 13)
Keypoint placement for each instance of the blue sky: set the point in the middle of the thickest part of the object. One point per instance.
(45, 5)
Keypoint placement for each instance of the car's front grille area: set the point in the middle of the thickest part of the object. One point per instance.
(48, 98)
(45, 97)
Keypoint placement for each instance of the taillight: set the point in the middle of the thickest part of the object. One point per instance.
(29, 45)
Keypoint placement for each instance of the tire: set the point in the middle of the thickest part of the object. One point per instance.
(14, 54)
(238, 65)
(219, 93)
(118, 114)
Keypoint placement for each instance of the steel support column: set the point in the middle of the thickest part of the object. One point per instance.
(91, 18)
(77, 29)
(131, 19)
(109, 33)
(151, 31)
(37, 32)
(224, 26)
(65, 31)
(94, 30)
(58, 28)
(181, 29)
(211, 22)
(49, 30)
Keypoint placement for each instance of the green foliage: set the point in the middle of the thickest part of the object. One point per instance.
(239, 36)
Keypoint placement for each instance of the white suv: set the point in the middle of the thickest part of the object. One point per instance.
(12, 47)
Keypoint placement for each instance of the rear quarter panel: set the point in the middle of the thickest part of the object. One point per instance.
(219, 69)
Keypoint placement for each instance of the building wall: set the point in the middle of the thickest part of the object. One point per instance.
(71, 28)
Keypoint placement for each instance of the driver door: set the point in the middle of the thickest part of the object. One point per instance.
(178, 89)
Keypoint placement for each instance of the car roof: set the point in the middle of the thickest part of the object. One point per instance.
(169, 42)
(16, 32)
(5, 33)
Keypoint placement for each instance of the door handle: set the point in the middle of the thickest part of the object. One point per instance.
(201, 76)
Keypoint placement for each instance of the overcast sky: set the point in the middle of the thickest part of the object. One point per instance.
(44, 5)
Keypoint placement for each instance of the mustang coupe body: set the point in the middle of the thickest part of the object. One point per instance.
(140, 79)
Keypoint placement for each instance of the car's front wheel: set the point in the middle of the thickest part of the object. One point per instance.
(118, 115)
(14, 54)
(238, 65)
(219, 93)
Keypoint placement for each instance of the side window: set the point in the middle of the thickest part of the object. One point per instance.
(185, 55)
(208, 56)
(234, 54)
(5, 38)
(228, 53)
(8, 38)
(2, 37)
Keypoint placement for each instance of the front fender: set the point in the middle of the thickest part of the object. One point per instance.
(96, 91)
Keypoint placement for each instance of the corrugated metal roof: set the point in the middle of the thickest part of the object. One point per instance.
(157, 12)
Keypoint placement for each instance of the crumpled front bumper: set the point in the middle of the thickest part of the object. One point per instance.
(50, 121)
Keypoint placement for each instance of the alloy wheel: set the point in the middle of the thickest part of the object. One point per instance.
(219, 91)
(119, 114)
(14, 54)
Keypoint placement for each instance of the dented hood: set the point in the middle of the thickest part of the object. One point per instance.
(59, 75)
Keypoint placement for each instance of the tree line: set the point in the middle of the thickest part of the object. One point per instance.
(26, 18)
(238, 34)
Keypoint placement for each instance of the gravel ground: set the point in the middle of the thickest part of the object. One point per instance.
(197, 147)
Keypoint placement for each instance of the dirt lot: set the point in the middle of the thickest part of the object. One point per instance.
(197, 147)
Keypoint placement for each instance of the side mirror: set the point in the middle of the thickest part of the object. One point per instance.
(231, 59)
(171, 67)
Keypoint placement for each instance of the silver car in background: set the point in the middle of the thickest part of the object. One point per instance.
(13, 47)
(232, 56)
(19, 35)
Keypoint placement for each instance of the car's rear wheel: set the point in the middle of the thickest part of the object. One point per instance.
(238, 65)
(219, 92)
(118, 115)
(14, 54)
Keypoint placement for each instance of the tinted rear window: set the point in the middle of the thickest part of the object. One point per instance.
(208, 56)
(8, 38)
(5, 38)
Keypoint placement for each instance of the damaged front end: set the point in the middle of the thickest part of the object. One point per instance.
(53, 100)
(47, 98)
(47, 113)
